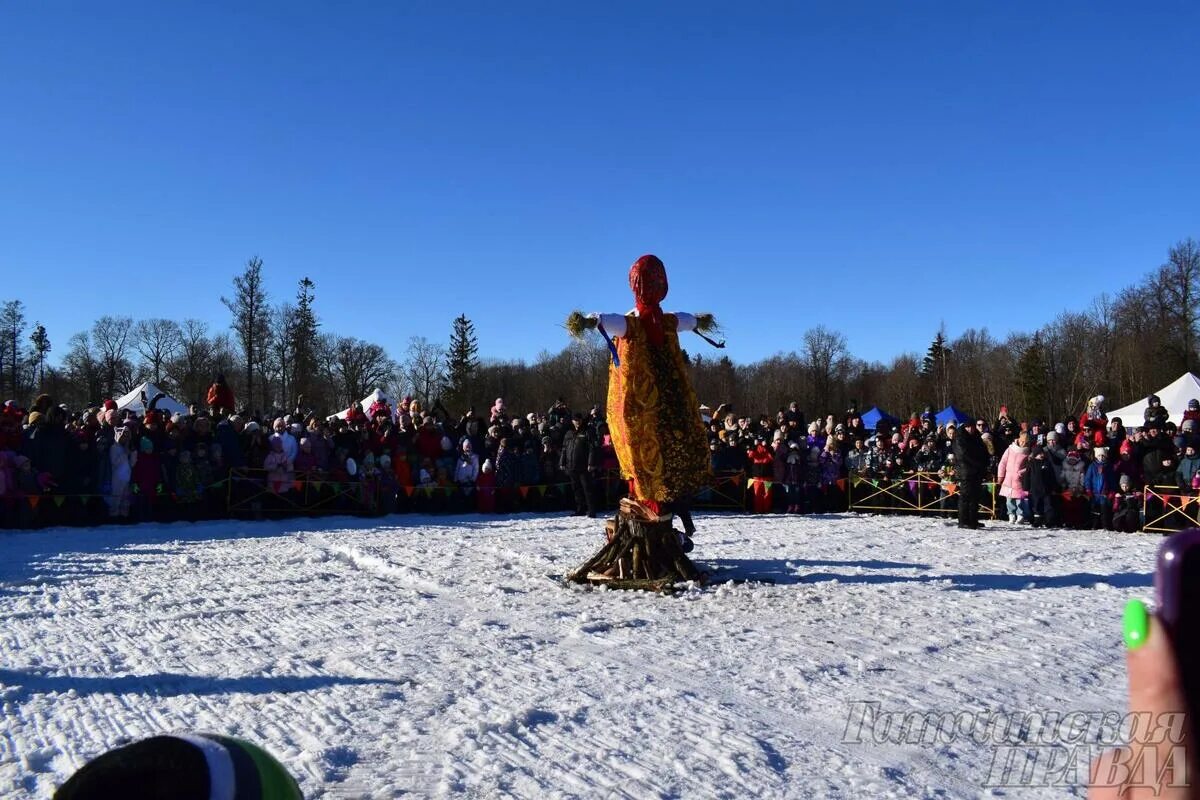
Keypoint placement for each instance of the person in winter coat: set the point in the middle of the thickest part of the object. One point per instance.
(1097, 482)
(1158, 458)
(1127, 465)
(148, 476)
(305, 462)
(486, 489)
(1010, 474)
(220, 398)
(762, 460)
(578, 461)
(779, 453)
(971, 461)
(1127, 507)
(1041, 482)
(1093, 421)
(278, 467)
(856, 459)
(1189, 467)
(466, 469)
(1115, 435)
(1193, 411)
(1074, 472)
(46, 443)
(1155, 413)
(1056, 454)
(831, 473)
(793, 477)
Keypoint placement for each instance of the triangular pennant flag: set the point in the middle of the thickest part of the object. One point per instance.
(59, 500)
(541, 490)
(448, 491)
(316, 485)
(427, 491)
(875, 483)
(297, 485)
(769, 485)
(524, 490)
(34, 500)
(951, 489)
(841, 484)
(1183, 502)
(408, 490)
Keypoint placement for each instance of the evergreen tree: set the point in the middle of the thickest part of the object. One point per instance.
(251, 320)
(41, 346)
(1031, 379)
(934, 368)
(462, 361)
(304, 341)
(12, 334)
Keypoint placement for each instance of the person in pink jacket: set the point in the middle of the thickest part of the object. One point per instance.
(1010, 474)
(278, 467)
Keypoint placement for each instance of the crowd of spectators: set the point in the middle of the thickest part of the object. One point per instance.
(111, 464)
(1085, 471)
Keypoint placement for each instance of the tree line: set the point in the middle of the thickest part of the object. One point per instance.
(273, 354)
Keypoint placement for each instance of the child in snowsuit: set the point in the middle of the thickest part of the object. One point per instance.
(1127, 507)
(793, 477)
(121, 459)
(1098, 483)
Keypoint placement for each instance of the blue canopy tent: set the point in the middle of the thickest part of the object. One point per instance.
(951, 414)
(871, 418)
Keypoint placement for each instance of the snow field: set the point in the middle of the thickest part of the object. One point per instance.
(442, 656)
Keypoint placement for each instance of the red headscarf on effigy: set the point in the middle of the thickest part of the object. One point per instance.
(648, 279)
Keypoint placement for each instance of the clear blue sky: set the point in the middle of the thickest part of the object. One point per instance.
(867, 166)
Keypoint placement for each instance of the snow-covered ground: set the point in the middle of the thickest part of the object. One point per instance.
(444, 655)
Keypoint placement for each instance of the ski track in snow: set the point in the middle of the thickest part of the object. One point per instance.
(439, 656)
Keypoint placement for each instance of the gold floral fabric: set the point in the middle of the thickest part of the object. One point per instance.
(654, 418)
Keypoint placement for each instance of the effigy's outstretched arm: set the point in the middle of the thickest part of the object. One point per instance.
(579, 323)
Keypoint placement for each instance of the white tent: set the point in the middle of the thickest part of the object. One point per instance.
(1174, 397)
(367, 402)
(168, 405)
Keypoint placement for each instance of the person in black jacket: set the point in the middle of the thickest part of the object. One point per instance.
(578, 460)
(1042, 484)
(971, 458)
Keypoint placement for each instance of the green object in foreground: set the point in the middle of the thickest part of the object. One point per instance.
(1136, 624)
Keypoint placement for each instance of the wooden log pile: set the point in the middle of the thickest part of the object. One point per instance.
(642, 551)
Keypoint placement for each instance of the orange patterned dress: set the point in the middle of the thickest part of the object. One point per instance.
(654, 417)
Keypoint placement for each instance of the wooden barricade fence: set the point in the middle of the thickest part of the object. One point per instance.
(918, 493)
(1165, 510)
(249, 491)
(727, 491)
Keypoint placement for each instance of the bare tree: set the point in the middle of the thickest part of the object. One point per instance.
(424, 369)
(1179, 281)
(83, 370)
(360, 367)
(824, 356)
(280, 354)
(112, 340)
(157, 341)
